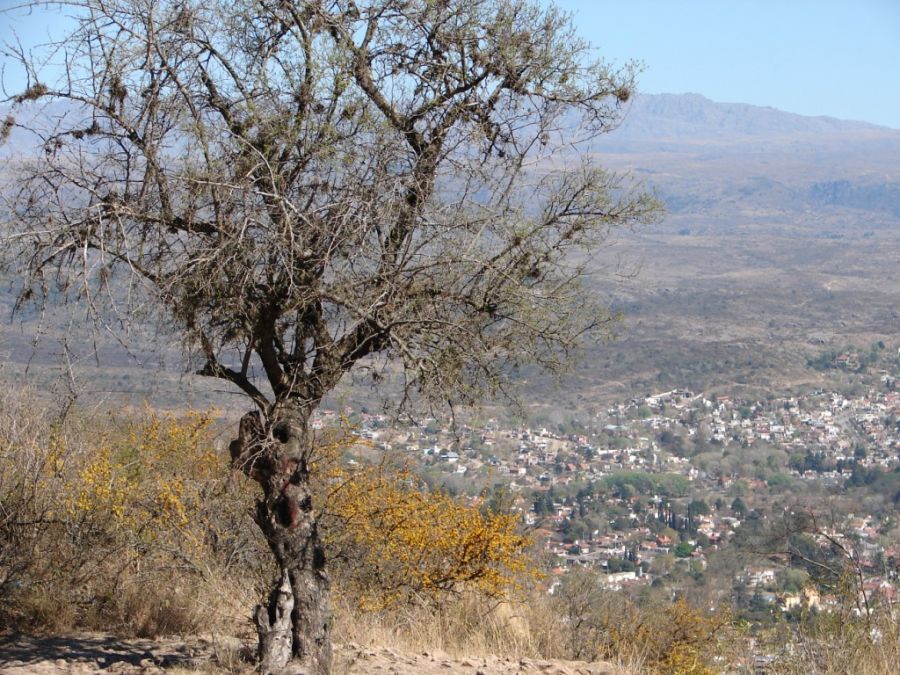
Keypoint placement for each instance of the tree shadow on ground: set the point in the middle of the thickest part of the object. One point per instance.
(102, 650)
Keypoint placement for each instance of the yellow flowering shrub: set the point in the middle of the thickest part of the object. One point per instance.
(120, 522)
(391, 540)
(148, 475)
(679, 640)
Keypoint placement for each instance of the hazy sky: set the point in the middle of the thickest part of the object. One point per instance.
(815, 57)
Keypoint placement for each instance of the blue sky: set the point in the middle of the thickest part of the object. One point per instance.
(814, 57)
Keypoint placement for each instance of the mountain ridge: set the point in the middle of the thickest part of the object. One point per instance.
(664, 115)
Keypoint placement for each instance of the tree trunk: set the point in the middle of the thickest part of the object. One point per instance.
(294, 626)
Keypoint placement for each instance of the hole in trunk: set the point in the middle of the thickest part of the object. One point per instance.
(287, 512)
(281, 432)
(318, 558)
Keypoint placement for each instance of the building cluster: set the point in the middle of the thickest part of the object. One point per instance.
(652, 456)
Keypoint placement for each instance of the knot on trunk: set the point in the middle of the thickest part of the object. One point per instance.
(290, 506)
(270, 454)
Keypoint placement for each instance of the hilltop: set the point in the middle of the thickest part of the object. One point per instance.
(93, 653)
(691, 117)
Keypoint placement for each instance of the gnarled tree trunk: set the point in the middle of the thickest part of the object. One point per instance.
(294, 626)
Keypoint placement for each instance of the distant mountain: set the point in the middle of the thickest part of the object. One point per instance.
(696, 117)
(717, 162)
(781, 240)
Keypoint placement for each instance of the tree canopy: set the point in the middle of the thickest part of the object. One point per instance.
(303, 185)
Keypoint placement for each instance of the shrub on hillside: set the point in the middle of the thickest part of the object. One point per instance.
(126, 522)
(393, 541)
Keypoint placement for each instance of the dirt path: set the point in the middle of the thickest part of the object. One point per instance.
(83, 654)
(86, 654)
(352, 661)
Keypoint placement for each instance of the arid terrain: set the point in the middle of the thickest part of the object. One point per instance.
(86, 654)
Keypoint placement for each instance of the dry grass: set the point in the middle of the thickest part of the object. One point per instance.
(835, 644)
(96, 534)
(464, 626)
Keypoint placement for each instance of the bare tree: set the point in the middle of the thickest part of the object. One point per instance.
(307, 187)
